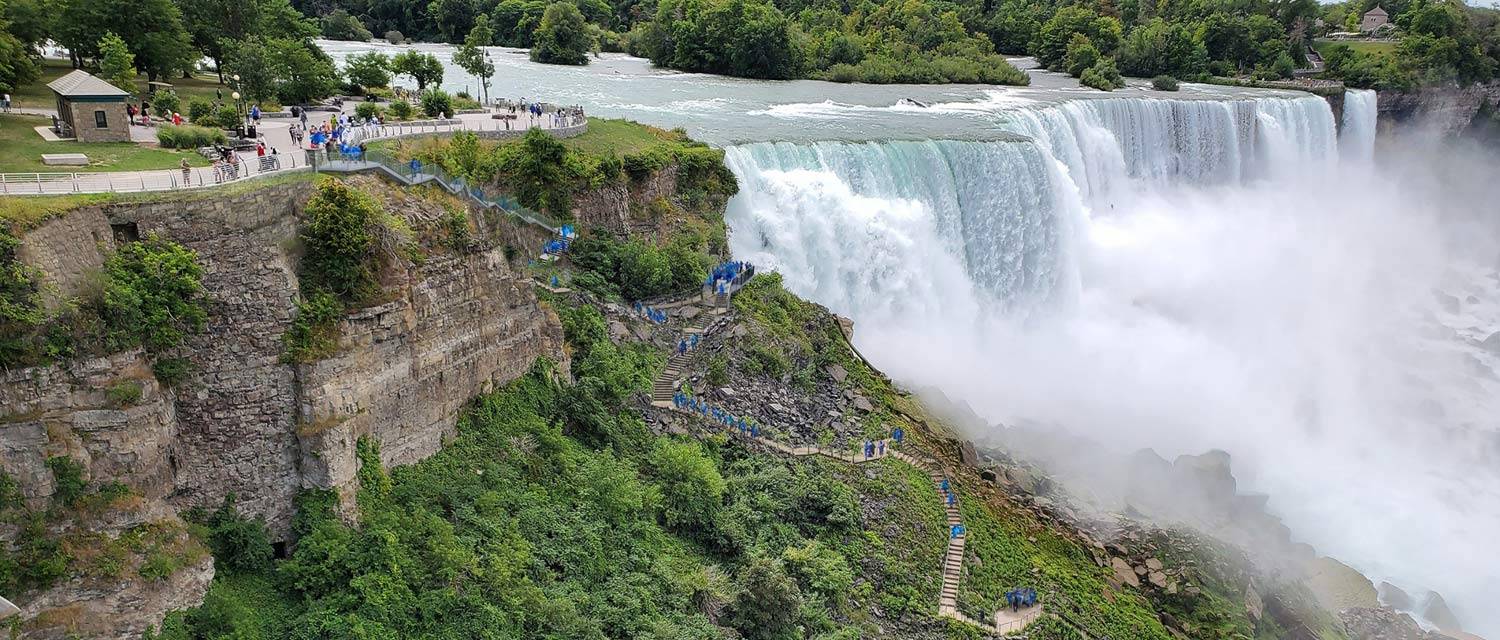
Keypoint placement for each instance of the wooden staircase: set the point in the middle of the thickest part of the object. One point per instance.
(665, 386)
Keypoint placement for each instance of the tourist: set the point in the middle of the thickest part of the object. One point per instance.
(255, 114)
(187, 172)
(5, 102)
(176, 118)
(882, 447)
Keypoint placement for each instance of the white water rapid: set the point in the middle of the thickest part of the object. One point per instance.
(1181, 275)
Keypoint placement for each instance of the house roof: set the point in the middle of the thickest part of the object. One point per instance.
(80, 83)
(1377, 11)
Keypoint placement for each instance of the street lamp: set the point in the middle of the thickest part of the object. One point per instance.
(238, 109)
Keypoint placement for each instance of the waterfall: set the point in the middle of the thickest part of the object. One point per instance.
(1357, 140)
(912, 227)
(1181, 275)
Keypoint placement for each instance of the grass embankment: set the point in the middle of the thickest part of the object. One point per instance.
(21, 149)
(36, 95)
(1383, 48)
(22, 213)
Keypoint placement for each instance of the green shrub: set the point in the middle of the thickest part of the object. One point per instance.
(165, 103)
(188, 136)
(401, 110)
(153, 295)
(201, 113)
(1102, 76)
(67, 480)
(692, 489)
(1164, 83)
(436, 103)
(227, 117)
(340, 231)
(170, 371)
(367, 110)
(314, 332)
(125, 393)
(238, 543)
(456, 223)
(21, 312)
(718, 371)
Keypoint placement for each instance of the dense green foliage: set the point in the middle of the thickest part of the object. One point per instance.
(116, 63)
(556, 514)
(422, 68)
(290, 71)
(188, 136)
(152, 296)
(340, 237)
(635, 270)
(562, 37)
(368, 70)
(1440, 40)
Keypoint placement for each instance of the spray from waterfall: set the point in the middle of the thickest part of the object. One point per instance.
(1182, 275)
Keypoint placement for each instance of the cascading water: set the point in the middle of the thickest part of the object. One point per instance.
(1173, 274)
(1357, 139)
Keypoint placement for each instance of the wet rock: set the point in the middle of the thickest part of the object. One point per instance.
(988, 475)
(1436, 611)
(967, 455)
(862, 404)
(1123, 573)
(1369, 623)
(1448, 302)
(1392, 596)
(618, 331)
(1492, 343)
(1153, 564)
(1255, 607)
(1157, 579)
(836, 372)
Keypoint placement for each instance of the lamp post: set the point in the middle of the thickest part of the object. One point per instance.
(239, 111)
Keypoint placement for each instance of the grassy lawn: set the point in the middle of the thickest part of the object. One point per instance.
(623, 137)
(21, 150)
(36, 95)
(1381, 48)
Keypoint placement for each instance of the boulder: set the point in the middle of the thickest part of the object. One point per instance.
(988, 475)
(1123, 573)
(1436, 611)
(836, 372)
(1158, 579)
(618, 330)
(1153, 564)
(1492, 343)
(862, 404)
(1255, 607)
(1369, 623)
(967, 455)
(1392, 596)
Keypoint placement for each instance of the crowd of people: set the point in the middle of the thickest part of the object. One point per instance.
(1016, 599)
(656, 316)
(727, 277)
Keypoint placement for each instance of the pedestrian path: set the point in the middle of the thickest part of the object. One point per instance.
(251, 166)
(664, 395)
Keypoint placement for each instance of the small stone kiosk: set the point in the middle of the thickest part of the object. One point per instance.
(90, 109)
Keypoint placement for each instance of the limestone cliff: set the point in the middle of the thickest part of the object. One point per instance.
(1447, 109)
(245, 420)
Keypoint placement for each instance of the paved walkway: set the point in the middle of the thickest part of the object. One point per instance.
(275, 132)
(663, 393)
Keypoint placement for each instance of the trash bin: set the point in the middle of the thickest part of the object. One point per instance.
(250, 132)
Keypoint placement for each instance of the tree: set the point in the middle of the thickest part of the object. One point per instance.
(769, 602)
(453, 18)
(422, 68)
(1082, 54)
(219, 25)
(369, 69)
(254, 60)
(1160, 47)
(563, 36)
(470, 57)
(692, 489)
(17, 45)
(308, 73)
(116, 64)
(339, 25)
(1056, 34)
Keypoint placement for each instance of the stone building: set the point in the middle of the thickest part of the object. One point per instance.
(1374, 19)
(90, 109)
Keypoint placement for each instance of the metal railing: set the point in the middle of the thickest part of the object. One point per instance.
(380, 160)
(142, 181)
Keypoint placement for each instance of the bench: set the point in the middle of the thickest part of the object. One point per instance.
(71, 159)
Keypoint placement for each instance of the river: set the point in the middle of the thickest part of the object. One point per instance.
(1214, 267)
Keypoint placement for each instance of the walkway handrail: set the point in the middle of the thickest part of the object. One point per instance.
(385, 161)
(38, 183)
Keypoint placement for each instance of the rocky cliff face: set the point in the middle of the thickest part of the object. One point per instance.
(1447, 109)
(244, 420)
